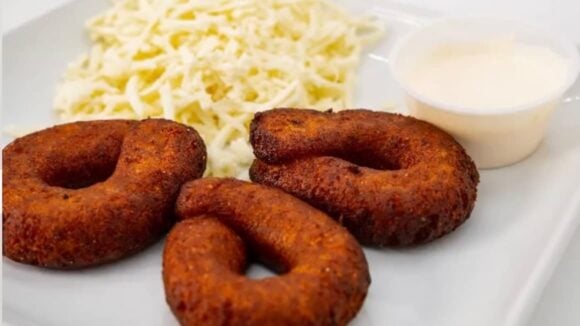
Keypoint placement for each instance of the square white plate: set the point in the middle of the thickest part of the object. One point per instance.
(489, 272)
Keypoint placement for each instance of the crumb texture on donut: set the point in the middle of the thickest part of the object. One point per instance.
(87, 193)
(390, 179)
(323, 273)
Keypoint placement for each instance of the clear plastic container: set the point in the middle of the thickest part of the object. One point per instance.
(496, 136)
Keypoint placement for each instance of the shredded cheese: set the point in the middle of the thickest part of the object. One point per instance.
(213, 64)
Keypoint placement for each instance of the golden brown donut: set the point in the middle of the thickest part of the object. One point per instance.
(87, 193)
(323, 273)
(390, 179)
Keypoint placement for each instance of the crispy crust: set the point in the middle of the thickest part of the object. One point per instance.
(87, 193)
(324, 272)
(390, 179)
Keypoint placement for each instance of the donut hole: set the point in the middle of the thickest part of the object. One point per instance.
(258, 271)
(77, 174)
(263, 260)
(371, 160)
(388, 155)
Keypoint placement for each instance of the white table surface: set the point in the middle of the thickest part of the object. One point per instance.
(560, 302)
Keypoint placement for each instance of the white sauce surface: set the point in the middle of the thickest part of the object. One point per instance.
(491, 74)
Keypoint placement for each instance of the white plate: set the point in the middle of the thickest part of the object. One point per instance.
(489, 272)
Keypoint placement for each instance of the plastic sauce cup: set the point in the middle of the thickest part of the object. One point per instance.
(496, 136)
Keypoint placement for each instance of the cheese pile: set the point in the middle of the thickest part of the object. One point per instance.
(212, 64)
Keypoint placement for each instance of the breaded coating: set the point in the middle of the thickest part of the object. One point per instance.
(87, 193)
(323, 277)
(392, 180)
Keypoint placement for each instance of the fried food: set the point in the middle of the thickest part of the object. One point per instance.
(391, 180)
(87, 193)
(324, 274)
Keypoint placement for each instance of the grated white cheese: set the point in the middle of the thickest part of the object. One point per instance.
(213, 64)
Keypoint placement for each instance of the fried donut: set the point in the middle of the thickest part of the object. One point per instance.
(391, 180)
(87, 193)
(324, 274)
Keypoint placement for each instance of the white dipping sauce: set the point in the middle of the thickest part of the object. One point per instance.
(490, 74)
